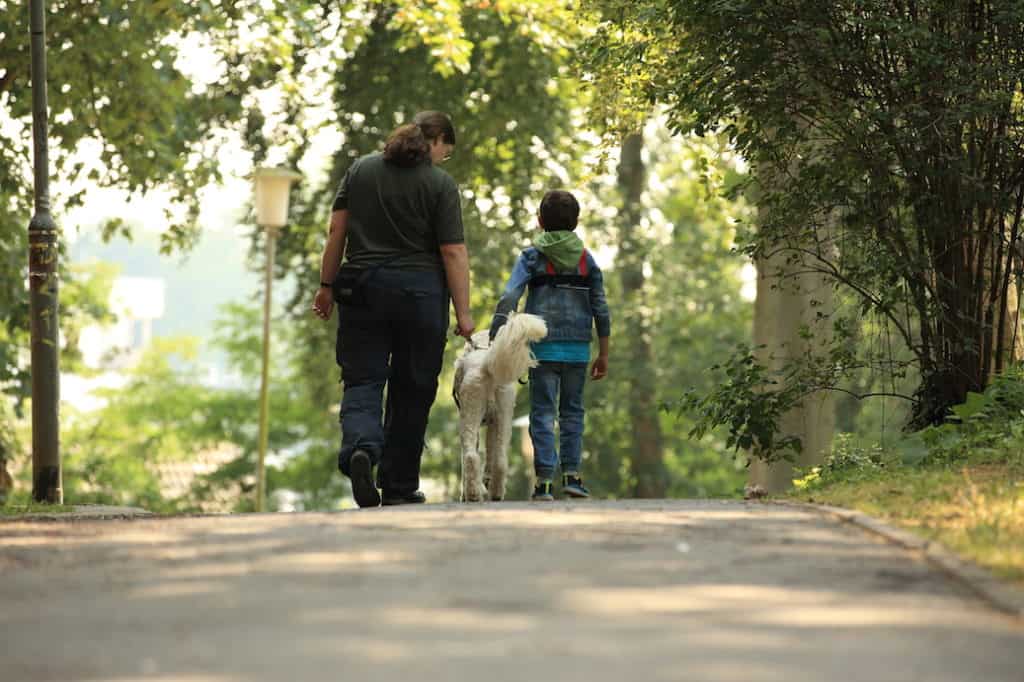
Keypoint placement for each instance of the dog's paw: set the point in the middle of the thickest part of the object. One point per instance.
(473, 493)
(754, 492)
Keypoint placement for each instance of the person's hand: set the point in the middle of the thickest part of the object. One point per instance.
(465, 323)
(599, 369)
(323, 304)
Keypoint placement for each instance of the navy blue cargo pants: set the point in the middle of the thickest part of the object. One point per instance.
(395, 342)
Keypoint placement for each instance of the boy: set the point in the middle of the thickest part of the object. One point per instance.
(567, 290)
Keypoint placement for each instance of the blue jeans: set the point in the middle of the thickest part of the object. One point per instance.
(396, 341)
(557, 388)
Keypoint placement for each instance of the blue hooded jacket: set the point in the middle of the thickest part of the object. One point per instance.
(570, 302)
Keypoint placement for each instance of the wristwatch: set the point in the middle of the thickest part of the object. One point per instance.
(325, 284)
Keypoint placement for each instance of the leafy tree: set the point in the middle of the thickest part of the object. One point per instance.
(633, 259)
(887, 142)
(110, 456)
(505, 74)
(517, 135)
(691, 307)
(164, 413)
(126, 112)
(503, 78)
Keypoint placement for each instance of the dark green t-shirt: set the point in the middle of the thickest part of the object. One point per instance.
(395, 211)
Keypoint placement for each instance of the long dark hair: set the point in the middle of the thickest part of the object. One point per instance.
(434, 124)
(409, 144)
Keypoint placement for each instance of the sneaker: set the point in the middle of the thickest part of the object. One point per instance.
(390, 499)
(542, 493)
(572, 486)
(363, 488)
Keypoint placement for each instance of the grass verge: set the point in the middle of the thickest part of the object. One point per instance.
(16, 509)
(975, 510)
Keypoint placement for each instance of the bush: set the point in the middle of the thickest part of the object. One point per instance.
(986, 428)
(848, 460)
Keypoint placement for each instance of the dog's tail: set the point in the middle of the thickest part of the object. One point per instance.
(509, 356)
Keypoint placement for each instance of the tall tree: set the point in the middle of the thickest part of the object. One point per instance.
(127, 112)
(906, 118)
(792, 312)
(503, 71)
(647, 449)
(508, 92)
(691, 305)
(143, 97)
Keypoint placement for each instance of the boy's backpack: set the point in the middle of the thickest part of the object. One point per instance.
(579, 279)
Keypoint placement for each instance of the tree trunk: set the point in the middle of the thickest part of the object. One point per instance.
(638, 358)
(1009, 348)
(783, 306)
(6, 482)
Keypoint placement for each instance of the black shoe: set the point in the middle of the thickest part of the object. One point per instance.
(542, 492)
(408, 498)
(572, 486)
(361, 475)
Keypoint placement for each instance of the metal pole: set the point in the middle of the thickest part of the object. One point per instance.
(43, 290)
(261, 474)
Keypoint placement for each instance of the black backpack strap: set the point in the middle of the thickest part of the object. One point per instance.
(569, 280)
(580, 278)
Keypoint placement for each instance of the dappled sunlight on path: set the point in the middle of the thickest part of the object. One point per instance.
(606, 590)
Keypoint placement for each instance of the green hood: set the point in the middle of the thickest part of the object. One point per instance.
(562, 247)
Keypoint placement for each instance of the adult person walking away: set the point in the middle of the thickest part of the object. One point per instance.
(397, 222)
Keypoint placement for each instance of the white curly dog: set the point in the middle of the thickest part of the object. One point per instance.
(485, 391)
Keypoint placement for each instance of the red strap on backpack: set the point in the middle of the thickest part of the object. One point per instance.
(582, 267)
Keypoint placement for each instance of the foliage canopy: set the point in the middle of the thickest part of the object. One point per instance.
(887, 141)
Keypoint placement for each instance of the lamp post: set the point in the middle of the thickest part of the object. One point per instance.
(272, 186)
(42, 277)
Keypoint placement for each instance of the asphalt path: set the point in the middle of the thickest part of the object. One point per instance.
(631, 590)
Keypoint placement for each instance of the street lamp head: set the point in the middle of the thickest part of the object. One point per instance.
(271, 188)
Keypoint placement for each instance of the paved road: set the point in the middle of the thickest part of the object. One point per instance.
(679, 590)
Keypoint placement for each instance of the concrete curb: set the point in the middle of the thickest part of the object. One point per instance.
(83, 512)
(995, 592)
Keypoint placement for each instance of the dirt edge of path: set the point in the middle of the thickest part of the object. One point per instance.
(991, 589)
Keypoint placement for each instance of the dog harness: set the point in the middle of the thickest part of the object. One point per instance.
(577, 280)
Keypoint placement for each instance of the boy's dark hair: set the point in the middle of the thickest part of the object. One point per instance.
(559, 210)
(409, 144)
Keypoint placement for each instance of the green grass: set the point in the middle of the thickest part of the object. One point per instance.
(21, 509)
(974, 509)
